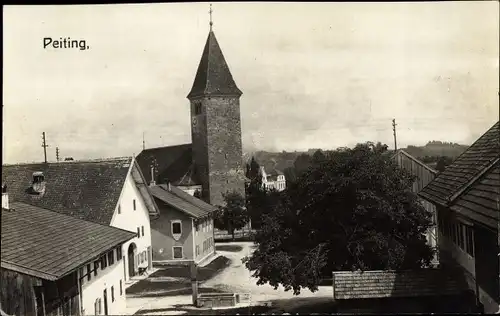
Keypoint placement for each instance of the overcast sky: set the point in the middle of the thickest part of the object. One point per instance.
(318, 75)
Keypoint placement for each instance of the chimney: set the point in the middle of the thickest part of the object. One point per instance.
(38, 184)
(5, 197)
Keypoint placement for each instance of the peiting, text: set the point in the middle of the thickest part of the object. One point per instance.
(67, 42)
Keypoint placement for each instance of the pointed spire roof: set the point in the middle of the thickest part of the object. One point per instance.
(213, 77)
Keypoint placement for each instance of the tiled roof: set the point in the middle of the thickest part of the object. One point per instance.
(465, 168)
(181, 201)
(87, 190)
(480, 201)
(380, 284)
(49, 245)
(172, 163)
(275, 173)
(213, 76)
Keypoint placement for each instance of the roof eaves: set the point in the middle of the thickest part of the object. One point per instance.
(28, 271)
(472, 181)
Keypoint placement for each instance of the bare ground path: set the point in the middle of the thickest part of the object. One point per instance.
(234, 278)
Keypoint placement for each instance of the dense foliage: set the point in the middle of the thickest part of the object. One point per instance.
(259, 201)
(350, 209)
(233, 215)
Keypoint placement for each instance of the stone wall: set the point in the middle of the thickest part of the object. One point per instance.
(217, 147)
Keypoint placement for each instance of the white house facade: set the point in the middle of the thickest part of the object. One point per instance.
(103, 285)
(133, 214)
(273, 180)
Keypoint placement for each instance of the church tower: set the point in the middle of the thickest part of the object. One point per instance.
(216, 125)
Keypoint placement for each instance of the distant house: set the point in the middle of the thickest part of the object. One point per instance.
(54, 264)
(184, 229)
(273, 180)
(109, 191)
(467, 198)
(424, 175)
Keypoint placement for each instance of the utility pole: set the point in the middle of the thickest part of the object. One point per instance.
(394, 130)
(44, 145)
(57, 154)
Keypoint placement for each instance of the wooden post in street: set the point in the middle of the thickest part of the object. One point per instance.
(194, 282)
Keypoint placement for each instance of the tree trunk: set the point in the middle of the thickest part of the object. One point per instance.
(232, 233)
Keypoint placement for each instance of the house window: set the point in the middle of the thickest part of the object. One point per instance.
(111, 257)
(104, 262)
(80, 271)
(121, 287)
(176, 229)
(119, 209)
(96, 267)
(197, 250)
(197, 108)
(197, 226)
(138, 232)
(89, 273)
(97, 306)
(461, 236)
(112, 294)
(177, 250)
(134, 203)
(469, 240)
(142, 230)
(119, 253)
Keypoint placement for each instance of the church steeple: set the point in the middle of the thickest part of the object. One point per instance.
(213, 77)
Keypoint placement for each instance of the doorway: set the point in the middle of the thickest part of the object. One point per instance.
(131, 259)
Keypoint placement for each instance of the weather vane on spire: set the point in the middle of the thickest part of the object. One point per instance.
(210, 12)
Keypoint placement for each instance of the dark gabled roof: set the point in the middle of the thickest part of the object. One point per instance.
(463, 171)
(88, 190)
(480, 200)
(49, 245)
(172, 163)
(381, 284)
(182, 201)
(275, 172)
(213, 77)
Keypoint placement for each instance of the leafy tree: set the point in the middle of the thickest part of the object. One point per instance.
(353, 211)
(318, 156)
(302, 163)
(233, 215)
(253, 170)
(290, 175)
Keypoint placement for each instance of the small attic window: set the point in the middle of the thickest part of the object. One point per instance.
(197, 108)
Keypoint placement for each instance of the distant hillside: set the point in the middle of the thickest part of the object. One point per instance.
(436, 149)
(427, 153)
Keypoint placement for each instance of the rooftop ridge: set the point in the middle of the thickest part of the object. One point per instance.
(96, 160)
(161, 147)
